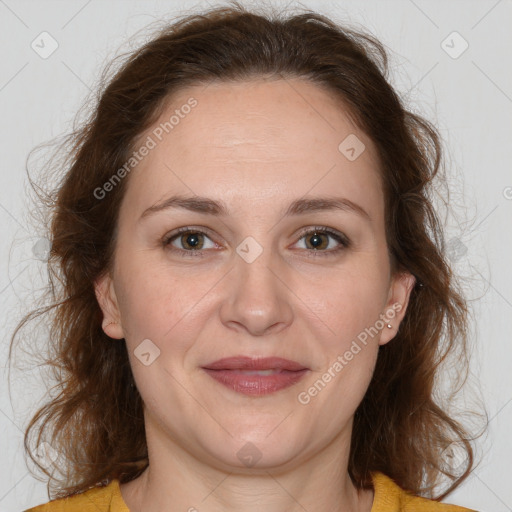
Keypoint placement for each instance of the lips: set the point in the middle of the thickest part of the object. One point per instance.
(256, 376)
(255, 364)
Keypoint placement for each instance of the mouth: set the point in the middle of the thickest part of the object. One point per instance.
(255, 364)
(256, 377)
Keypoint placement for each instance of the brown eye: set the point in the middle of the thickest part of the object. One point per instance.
(192, 240)
(318, 240)
(189, 242)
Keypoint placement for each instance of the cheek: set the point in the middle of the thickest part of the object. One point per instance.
(152, 299)
(351, 309)
(169, 306)
(347, 300)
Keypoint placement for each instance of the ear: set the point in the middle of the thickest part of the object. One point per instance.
(396, 306)
(107, 300)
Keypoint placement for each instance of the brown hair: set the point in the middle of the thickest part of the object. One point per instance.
(96, 419)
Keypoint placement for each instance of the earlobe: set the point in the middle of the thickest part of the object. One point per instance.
(107, 300)
(398, 300)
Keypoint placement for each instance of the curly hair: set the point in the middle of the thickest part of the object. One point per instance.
(95, 421)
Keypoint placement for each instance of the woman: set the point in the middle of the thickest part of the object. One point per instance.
(254, 302)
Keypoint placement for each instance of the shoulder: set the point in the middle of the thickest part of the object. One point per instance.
(389, 497)
(97, 499)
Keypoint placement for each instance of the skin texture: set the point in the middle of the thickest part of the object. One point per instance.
(256, 146)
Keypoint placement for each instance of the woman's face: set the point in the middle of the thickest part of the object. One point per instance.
(254, 164)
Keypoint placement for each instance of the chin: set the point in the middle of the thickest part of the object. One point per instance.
(255, 450)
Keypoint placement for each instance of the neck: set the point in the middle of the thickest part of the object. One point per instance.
(177, 480)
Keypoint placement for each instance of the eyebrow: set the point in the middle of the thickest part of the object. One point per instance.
(209, 206)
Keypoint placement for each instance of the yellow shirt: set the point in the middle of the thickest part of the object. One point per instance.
(388, 497)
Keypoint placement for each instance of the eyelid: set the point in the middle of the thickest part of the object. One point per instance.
(338, 235)
(185, 229)
(342, 239)
(168, 238)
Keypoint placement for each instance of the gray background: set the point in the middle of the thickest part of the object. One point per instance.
(467, 95)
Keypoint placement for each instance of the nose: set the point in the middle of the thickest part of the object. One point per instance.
(257, 298)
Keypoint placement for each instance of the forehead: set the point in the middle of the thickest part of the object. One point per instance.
(258, 138)
(262, 114)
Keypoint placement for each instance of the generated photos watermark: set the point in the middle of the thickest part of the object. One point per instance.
(150, 143)
(304, 397)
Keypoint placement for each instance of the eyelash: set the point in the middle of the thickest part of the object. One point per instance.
(339, 237)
